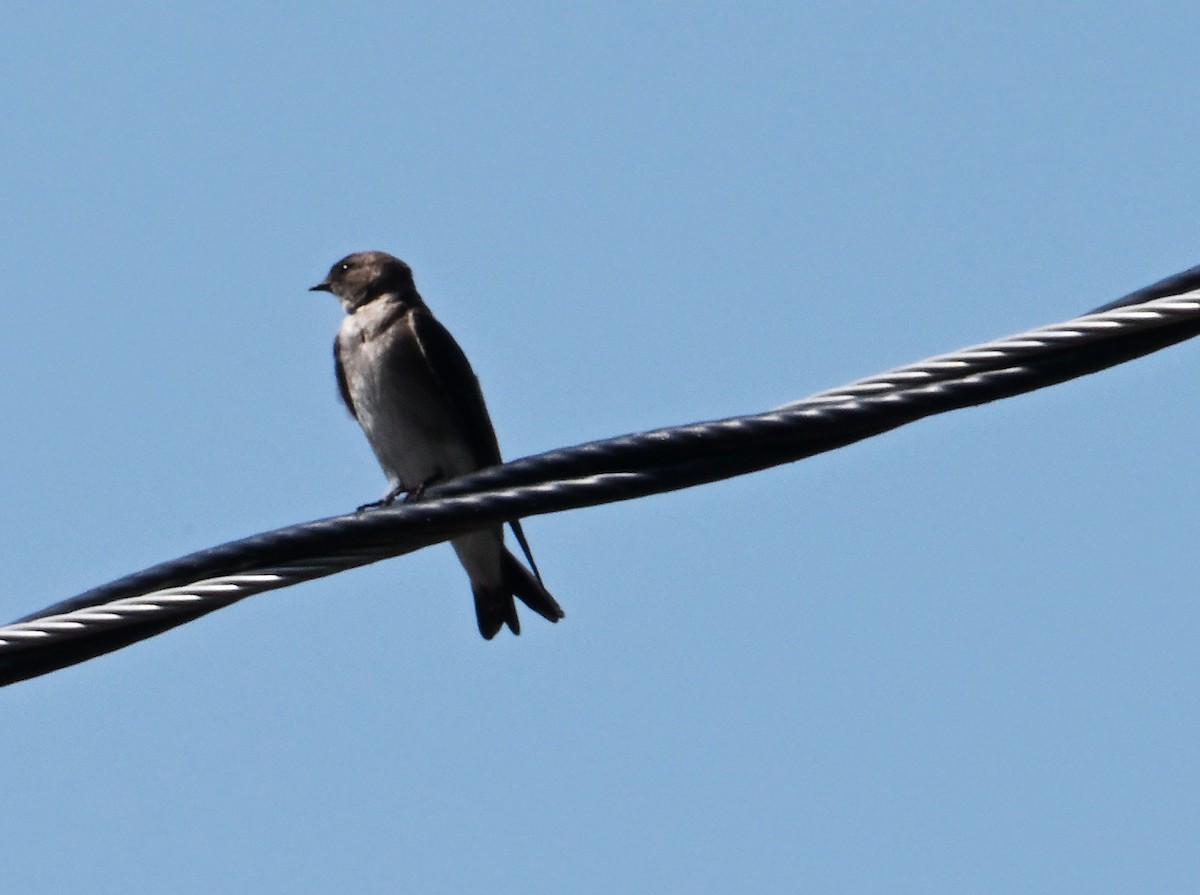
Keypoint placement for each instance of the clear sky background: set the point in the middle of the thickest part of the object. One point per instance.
(961, 657)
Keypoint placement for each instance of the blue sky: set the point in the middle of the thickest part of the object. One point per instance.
(959, 657)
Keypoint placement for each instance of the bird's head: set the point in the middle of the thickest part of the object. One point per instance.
(365, 276)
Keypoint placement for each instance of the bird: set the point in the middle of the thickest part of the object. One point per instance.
(412, 390)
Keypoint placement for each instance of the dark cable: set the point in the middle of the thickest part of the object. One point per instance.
(598, 472)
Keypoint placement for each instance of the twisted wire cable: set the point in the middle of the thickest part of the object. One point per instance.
(154, 600)
(1024, 347)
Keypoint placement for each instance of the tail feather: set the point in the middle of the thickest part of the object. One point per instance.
(529, 589)
(495, 607)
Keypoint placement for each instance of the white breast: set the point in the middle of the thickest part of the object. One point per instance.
(406, 423)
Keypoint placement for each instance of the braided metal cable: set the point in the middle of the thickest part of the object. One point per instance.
(1023, 348)
(156, 599)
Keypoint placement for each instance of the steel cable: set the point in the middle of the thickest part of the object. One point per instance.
(154, 600)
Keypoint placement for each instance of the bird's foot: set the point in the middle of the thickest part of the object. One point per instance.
(414, 494)
(411, 495)
(386, 501)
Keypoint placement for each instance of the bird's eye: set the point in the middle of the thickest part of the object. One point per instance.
(345, 267)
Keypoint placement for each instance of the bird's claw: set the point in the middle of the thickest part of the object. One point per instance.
(386, 501)
(411, 495)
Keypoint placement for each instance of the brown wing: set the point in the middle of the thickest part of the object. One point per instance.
(454, 378)
(460, 389)
(343, 385)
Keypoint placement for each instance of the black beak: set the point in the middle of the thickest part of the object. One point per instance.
(321, 287)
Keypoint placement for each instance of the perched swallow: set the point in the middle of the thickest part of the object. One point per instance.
(409, 385)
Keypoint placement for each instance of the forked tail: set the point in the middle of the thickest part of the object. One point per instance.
(495, 608)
